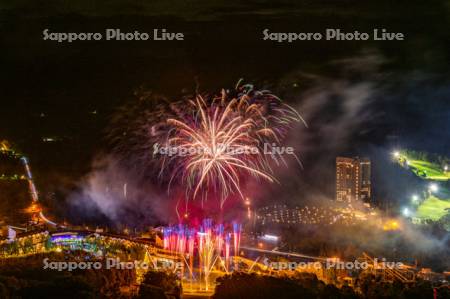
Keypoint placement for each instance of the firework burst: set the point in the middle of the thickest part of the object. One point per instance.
(211, 144)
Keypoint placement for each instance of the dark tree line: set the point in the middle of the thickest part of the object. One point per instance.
(304, 285)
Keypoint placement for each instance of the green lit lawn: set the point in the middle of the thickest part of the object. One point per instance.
(432, 171)
(425, 169)
(433, 208)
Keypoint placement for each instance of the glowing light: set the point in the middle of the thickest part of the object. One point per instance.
(406, 212)
(211, 242)
(391, 225)
(236, 237)
(433, 187)
(415, 198)
(4, 146)
(396, 154)
(270, 237)
(33, 208)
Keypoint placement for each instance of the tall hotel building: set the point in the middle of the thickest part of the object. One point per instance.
(353, 180)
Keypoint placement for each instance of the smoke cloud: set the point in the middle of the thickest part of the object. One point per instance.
(349, 114)
(120, 195)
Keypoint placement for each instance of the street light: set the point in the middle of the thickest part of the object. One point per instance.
(406, 212)
(396, 154)
(415, 198)
(249, 211)
(433, 187)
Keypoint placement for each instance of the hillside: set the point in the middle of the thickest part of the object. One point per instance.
(433, 202)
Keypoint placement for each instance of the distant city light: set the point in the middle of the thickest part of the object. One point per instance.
(406, 212)
(391, 225)
(270, 237)
(433, 187)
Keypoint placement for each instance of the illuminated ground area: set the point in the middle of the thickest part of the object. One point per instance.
(433, 208)
(428, 170)
(437, 202)
(423, 169)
